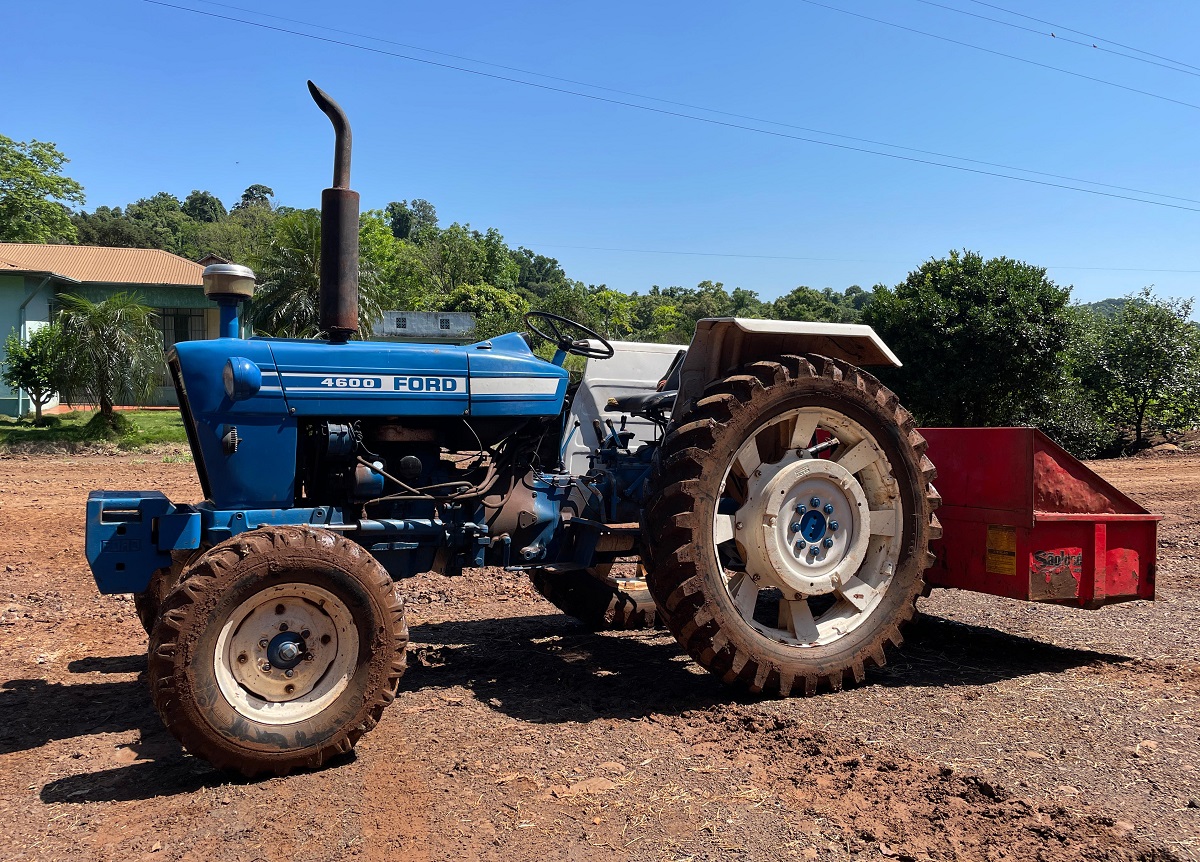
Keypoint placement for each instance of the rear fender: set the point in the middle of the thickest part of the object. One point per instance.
(722, 344)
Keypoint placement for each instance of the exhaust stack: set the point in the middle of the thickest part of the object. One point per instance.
(339, 232)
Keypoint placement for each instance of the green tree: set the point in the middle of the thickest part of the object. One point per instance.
(745, 303)
(256, 195)
(805, 303)
(409, 221)
(537, 274)
(204, 207)
(113, 351)
(36, 366)
(981, 340)
(287, 302)
(1070, 410)
(108, 226)
(1145, 360)
(162, 222)
(496, 311)
(34, 193)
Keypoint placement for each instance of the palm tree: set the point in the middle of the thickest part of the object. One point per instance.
(114, 351)
(287, 301)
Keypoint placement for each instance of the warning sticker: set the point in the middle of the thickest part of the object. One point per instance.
(1001, 549)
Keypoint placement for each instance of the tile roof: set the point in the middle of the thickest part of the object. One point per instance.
(96, 263)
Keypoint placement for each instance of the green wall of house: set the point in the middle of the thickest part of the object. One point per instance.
(153, 295)
(14, 290)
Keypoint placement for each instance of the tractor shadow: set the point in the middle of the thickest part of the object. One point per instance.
(550, 669)
(540, 669)
(940, 652)
(34, 712)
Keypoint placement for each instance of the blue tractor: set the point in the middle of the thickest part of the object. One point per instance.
(776, 498)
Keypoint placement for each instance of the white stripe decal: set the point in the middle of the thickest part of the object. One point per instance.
(514, 385)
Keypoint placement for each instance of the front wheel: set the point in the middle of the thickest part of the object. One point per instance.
(790, 519)
(277, 649)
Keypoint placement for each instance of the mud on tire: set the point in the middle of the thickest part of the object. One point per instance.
(314, 603)
(148, 603)
(749, 565)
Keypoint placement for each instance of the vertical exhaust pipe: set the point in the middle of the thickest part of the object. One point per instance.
(339, 232)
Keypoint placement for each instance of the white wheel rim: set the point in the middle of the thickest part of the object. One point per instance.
(823, 533)
(286, 653)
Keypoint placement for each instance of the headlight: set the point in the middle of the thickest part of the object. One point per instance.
(242, 378)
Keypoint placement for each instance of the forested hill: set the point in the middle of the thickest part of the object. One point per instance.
(412, 262)
(985, 342)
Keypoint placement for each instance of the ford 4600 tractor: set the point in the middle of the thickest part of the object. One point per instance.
(778, 499)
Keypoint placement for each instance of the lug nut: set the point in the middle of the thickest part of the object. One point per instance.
(801, 509)
(829, 508)
(289, 688)
(833, 525)
(795, 528)
(828, 543)
(242, 659)
(266, 668)
(814, 550)
(815, 502)
(308, 656)
(263, 643)
(289, 673)
(799, 547)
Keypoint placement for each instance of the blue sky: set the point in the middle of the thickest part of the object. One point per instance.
(145, 98)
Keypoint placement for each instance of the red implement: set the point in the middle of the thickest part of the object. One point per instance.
(1025, 520)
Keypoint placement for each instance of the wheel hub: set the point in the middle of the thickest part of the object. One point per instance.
(812, 525)
(284, 650)
(807, 513)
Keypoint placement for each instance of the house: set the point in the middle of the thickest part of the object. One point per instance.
(32, 276)
(454, 327)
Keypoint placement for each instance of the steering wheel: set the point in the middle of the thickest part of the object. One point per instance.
(562, 328)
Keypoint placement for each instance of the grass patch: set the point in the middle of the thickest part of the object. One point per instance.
(129, 430)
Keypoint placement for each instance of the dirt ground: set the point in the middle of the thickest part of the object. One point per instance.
(1004, 731)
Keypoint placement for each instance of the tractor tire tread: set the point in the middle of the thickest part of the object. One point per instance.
(200, 584)
(670, 527)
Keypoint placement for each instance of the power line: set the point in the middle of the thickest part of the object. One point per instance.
(1081, 33)
(669, 113)
(822, 259)
(713, 254)
(1056, 37)
(1002, 54)
(704, 108)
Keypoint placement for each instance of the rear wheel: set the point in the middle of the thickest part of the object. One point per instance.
(600, 598)
(791, 516)
(277, 650)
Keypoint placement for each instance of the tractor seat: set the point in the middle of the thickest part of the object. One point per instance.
(652, 405)
(642, 403)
